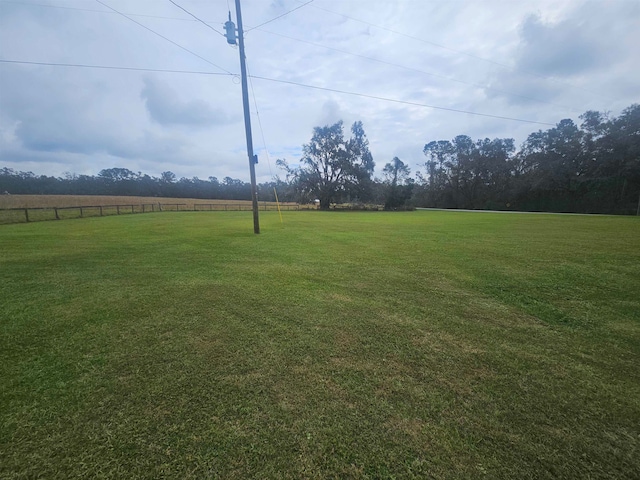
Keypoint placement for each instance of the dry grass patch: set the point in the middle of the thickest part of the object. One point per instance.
(51, 201)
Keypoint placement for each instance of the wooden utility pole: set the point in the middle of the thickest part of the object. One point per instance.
(231, 39)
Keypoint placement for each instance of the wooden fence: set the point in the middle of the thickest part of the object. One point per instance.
(36, 214)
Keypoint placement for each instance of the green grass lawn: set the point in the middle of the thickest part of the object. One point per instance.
(337, 345)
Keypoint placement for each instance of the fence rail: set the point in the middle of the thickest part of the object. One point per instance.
(36, 214)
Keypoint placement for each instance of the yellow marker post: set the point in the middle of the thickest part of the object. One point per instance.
(277, 203)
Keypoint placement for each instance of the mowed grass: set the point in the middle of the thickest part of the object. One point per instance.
(337, 345)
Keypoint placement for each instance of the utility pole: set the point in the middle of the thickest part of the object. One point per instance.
(230, 33)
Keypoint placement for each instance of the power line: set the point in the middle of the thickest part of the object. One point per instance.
(255, 103)
(93, 11)
(416, 70)
(109, 67)
(280, 16)
(264, 142)
(162, 36)
(350, 18)
(287, 82)
(198, 19)
(401, 101)
(195, 18)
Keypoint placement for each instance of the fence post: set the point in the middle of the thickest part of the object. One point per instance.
(132, 209)
(57, 216)
(118, 209)
(81, 213)
(143, 208)
(26, 214)
(100, 210)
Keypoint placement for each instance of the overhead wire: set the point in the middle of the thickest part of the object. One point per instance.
(277, 80)
(436, 75)
(257, 27)
(350, 18)
(92, 10)
(288, 82)
(110, 67)
(163, 37)
(264, 142)
(405, 102)
(255, 104)
(197, 18)
(279, 16)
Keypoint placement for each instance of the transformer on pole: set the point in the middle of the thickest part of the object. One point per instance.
(230, 34)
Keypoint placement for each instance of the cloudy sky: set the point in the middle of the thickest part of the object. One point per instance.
(530, 61)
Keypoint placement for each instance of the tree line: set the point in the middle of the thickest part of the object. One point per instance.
(593, 167)
(122, 181)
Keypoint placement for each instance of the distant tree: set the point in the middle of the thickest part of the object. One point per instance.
(465, 174)
(361, 187)
(398, 184)
(167, 177)
(332, 167)
(118, 174)
(235, 189)
(614, 157)
(396, 172)
(436, 186)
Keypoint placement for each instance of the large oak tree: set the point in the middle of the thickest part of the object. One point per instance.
(333, 166)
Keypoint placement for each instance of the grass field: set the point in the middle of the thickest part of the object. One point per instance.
(337, 345)
(36, 208)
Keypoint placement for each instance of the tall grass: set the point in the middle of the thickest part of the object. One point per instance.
(354, 345)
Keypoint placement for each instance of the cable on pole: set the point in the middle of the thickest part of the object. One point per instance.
(197, 18)
(287, 82)
(416, 104)
(29, 4)
(264, 142)
(162, 36)
(436, 75)
(110, 67)
(279, 16)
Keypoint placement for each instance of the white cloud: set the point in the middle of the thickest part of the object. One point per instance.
(541, 61)
(166, 108)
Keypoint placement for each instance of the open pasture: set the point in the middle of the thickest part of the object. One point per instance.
(34, 208)
(51, 201)
(336, 345)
